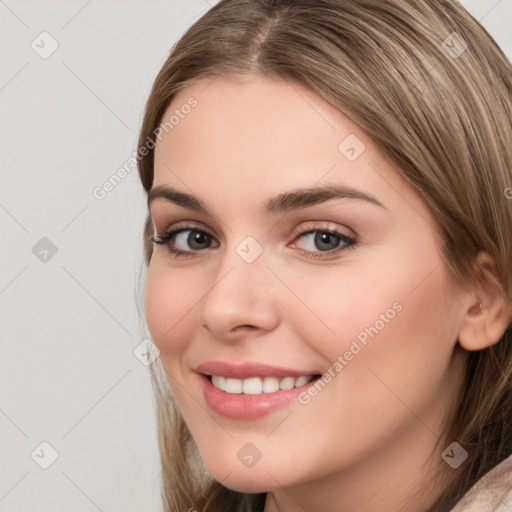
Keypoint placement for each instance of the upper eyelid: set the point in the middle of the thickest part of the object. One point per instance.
(160, 208)
(193, 225)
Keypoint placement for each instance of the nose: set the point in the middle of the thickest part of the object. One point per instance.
(241, 299)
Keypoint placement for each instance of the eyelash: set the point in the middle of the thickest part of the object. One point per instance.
(166, 237)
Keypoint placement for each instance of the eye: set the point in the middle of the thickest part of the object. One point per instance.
(329, 241)
(195, 238)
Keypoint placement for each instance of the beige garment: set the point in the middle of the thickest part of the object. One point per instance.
(492, 493)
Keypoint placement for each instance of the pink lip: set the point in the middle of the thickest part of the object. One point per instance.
(247, 370)
(247, 407)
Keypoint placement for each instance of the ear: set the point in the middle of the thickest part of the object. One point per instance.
(488, 311)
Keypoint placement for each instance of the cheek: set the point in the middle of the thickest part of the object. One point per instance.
(339, 308)
(169, 302)
(394, 313)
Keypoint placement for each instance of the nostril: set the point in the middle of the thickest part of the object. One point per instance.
(244, 328)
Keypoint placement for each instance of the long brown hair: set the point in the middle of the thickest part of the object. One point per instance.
(433, 90)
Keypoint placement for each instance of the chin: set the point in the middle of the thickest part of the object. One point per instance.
(248, 480)
(246, 486)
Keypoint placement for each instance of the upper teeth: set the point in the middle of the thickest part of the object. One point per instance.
(257, 385)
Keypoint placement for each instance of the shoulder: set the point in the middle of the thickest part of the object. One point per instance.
(492, 493)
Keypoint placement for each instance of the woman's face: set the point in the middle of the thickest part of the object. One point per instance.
(275, 291)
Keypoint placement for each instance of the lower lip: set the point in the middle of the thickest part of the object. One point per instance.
(248, 407)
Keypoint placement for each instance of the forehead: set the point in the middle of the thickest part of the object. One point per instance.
(253, 126)
(257, 94)
(244, 139)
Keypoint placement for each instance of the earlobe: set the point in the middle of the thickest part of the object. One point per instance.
(487, 314)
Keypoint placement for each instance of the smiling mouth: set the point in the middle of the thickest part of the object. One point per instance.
(259, 385)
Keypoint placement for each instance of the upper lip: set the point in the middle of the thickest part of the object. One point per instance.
(247, 370)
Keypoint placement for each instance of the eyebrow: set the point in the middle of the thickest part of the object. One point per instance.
(282, 203)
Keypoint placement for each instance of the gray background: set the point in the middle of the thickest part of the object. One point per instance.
(69, 321)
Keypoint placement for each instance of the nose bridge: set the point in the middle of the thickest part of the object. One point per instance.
(239, 294)
(244, 259)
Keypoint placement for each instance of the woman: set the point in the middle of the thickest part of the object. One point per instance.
(329, 252)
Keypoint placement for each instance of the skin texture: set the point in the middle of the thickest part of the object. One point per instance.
(365, 441)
